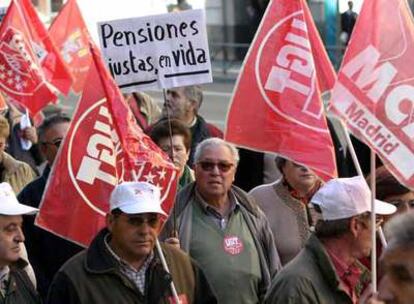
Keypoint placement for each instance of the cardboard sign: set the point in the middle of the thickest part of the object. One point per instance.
(161, 51)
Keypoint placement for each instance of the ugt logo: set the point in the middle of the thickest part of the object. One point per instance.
(285, 73)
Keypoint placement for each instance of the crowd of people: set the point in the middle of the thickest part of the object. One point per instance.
(294, 240)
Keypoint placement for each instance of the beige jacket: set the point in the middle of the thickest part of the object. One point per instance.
(18, 174)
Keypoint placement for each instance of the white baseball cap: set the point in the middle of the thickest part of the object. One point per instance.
(9, 205)
(136, 198)
(342, 198)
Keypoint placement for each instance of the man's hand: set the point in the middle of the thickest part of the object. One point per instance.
(173, 240)
(30, 134)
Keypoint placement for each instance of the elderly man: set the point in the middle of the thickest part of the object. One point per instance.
(47, 251)
(121, 265)
(15, 285)
(327, 269)
(223, 229)
(183, 103)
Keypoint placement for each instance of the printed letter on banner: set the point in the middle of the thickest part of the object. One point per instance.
(277, 105)
(375, 89)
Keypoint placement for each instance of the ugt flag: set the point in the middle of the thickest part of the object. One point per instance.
(375, 89)
(70, 35)
(102, 148)
(21, 75)
(52, 63)
(276, 106)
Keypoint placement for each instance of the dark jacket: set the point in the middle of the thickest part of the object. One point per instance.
(310, 278)
(200, 131)
(47, 252)
(255, 220)
(92, 276)
(20, 289)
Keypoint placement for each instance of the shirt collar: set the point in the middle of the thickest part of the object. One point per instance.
(206, 207)
(349, 275)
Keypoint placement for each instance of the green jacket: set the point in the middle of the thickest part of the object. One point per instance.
(310, 278)
(255, 220)
(93, 276)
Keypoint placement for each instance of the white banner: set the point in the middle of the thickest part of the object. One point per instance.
(160, 51)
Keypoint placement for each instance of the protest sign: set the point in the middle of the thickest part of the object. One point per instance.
(163, 51)
(375, 88)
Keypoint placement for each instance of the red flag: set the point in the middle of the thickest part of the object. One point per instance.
(71, 37)
(103, 144)
(276, 106)
(21, 77)
(375, 89)
(52, 63)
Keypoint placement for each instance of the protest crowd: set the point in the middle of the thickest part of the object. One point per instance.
(128, 202)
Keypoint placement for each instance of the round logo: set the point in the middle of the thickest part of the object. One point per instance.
(285, 73)
(95, 163)
(233, 245)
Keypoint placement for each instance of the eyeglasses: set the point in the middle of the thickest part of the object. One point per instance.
(209, 166)
(55, 142)
(367, 223)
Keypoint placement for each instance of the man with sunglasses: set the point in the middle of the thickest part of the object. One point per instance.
(122, 266)
(47, 251)
(223, 229)
(327, 269)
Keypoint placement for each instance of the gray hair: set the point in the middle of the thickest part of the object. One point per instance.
(400, 230)
(195, 94)
(215, 141)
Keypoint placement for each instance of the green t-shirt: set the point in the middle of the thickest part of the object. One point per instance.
(227, 256)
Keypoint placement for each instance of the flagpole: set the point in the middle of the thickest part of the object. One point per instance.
(373, 226)
(360, 173)
(373, 191)
(162, 257)
(172, 157)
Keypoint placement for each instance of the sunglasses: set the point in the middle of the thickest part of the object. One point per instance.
(209, 166)
(55, 142)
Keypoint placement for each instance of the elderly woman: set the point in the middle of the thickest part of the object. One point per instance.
(181, 144)
(18, 174)
(286, 205)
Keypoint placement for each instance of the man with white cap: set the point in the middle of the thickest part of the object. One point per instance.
(327, 269)
(121, 265)
(15, 285)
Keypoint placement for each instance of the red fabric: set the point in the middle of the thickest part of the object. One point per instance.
(349, 275)
(375, 89)
(214, 131)
(103, 145)
(52, 63)
(276, 106)
(21, 77)
(68, 31)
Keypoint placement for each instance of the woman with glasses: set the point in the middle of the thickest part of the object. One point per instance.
(286, 205)
(18, 174)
